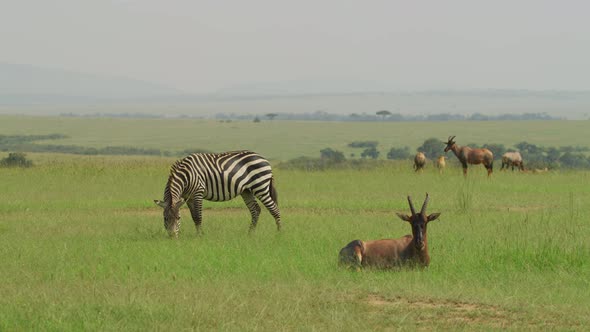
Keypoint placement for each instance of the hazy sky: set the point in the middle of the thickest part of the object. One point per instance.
(203, 46)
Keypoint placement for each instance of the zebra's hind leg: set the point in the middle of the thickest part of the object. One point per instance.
(272, 207)
(254, 208)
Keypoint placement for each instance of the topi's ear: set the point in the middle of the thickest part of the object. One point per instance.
(160, 203)
(433, 216)
(403, 217)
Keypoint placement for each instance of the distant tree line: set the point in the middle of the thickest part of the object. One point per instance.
(385, 115)
(382, 115)
(25, 143)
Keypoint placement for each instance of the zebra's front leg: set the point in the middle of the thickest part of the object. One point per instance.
(196, 207)
(254, 208)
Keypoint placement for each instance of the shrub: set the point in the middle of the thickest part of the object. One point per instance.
(370, 153)
(16, 159)
(363, 144)
(573, 160)
(497, 149)
(399, 153)
(332, 155)
(432, 147)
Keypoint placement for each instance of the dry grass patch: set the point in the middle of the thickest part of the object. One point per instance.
(450, 313)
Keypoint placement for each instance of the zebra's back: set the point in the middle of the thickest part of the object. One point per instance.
(223, 176)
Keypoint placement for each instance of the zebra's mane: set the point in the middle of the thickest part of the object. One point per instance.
(175, 166)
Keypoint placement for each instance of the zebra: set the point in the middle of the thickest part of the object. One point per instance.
(218, 177)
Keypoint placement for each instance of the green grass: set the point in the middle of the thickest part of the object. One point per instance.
(83, 247)
(283, 140)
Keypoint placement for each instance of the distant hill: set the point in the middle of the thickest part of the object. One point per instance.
(27, 89)
(26, 84)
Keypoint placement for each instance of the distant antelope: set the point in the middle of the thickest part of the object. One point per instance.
(419, 161)
(441, 163)
(512, 159)
(410, 250)
(467, 155)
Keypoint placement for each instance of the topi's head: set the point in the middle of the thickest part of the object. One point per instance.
(418, 221)
(450, 143)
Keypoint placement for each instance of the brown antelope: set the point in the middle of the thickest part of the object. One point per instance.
(512, 159)
(410, 250)
(419, 161)
(441, 163)
(467, 155)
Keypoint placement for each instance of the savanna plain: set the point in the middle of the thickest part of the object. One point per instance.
(83, 247)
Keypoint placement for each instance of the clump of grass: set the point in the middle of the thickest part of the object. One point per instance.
(464, 198)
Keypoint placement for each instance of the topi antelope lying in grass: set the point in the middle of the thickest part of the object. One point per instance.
(410, 250)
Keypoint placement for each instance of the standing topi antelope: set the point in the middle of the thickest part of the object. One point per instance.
(512, 159)
(410, 250)
(218, 177)
(474, 156)
(441, 163)
(419, 161)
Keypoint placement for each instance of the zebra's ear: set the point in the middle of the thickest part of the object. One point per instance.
(160, 203)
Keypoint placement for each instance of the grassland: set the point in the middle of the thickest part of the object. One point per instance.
(283, 140)
(83, 248)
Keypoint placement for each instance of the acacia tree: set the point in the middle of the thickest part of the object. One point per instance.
(384, 113)
(271, 116)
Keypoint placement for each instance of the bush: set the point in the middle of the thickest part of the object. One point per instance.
(432, 148)
(525, 147)
(497, 149)
(331, 155)
(16, 159)
(573, 160)
(317, 164)
(363, 144)
(370, 153)
(399, 153)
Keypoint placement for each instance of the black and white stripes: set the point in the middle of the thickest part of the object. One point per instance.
(218, 177)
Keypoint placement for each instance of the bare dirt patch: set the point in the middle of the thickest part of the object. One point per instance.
(449, 312)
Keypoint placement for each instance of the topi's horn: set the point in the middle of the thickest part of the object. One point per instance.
(411, 206)
(423, 210)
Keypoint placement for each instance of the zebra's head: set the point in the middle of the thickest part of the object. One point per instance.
(171, 216)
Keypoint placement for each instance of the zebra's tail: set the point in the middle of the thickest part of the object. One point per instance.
(273, 192)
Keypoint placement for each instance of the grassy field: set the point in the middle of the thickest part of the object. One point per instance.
(83, 247)
(283, 140)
